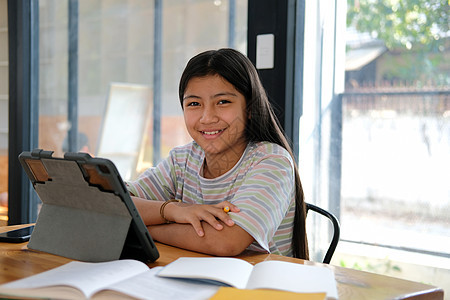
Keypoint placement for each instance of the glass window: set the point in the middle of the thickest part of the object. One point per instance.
(396, 139)
(393, 157)
(116, 49)
(116, 72)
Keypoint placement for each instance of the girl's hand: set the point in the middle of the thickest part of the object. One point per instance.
(194, 214)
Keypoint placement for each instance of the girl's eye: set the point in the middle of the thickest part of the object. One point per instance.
(224, 102)
(193, 103)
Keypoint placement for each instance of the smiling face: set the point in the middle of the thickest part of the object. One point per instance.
(215, 117)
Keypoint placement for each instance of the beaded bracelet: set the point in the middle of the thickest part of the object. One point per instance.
(161, 209)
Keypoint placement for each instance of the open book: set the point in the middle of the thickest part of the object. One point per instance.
(277, 275)
(119, 279)
(132, 279)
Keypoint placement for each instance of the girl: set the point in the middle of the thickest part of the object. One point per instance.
(239, 162)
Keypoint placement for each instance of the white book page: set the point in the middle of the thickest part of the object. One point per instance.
(87, 277)
(148, 286)
(293, 277)
(232, 271)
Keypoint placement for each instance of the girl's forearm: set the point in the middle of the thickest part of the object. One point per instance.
(149, 211)
(229, 241)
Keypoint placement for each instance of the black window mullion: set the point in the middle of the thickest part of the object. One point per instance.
(299, 53)
(23, 42)
(231, 23)
(72, 113)
(157, 81)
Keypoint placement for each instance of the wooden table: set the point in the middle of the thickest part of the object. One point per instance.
(17, 261)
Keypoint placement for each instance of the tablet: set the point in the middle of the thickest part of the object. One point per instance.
(86, 213)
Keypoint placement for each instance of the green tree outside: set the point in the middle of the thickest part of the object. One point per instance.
(419, 29)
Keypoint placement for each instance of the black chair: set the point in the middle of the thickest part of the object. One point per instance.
(336, 228)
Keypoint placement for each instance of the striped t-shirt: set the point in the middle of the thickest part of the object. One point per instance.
(261, 184)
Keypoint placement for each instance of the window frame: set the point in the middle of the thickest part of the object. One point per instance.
(23, 39)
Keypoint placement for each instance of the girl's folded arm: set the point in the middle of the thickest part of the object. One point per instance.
(230, 241)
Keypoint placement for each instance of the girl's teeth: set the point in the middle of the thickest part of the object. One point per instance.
(211, 132)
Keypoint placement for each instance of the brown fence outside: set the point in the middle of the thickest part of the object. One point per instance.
(428, 100)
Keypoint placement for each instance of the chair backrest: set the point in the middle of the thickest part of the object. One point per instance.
(336, 229)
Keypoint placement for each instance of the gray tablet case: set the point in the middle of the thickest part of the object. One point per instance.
(87, 213)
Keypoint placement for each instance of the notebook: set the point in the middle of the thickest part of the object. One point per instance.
(87, 213)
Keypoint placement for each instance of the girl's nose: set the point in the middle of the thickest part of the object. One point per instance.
(209, 116)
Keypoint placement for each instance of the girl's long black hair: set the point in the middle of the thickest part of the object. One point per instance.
(262, 125)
